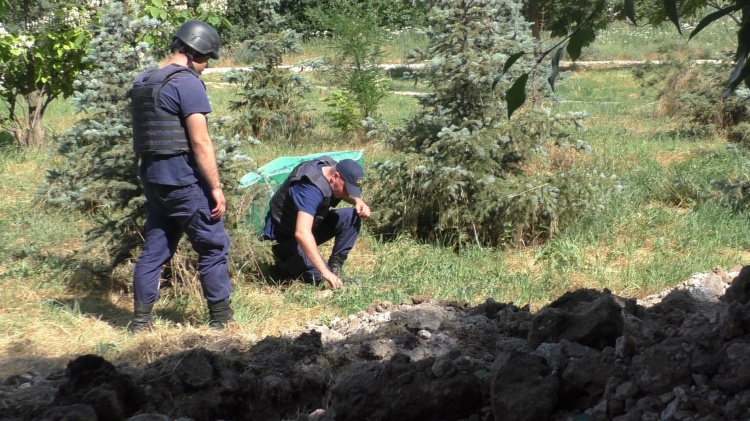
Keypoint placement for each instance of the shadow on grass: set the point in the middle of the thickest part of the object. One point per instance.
(97, 306)
(276, 276)
(6, 140)
(399, 72)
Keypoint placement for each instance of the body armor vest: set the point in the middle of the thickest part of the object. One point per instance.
(156, 131)
(282, 205)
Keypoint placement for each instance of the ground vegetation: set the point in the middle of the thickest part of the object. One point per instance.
(466, 174)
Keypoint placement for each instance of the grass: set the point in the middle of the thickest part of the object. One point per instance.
(623, 41)
(398, 45)
(650, 237)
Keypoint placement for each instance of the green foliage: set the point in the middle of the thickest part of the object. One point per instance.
(392, 14)
(175, 13)
(464, 173)
(269, 95)
(560, 18)
(577, 31)
(268, 106)
(693, 93)
(461, 61)
(478, 187)
(399, 14)
(39, 60)
(654, 13)
(368, 89)
(43, 52)
(342, 111)
(166, 11)
(100, 173)
(357, 39)
(673, 9)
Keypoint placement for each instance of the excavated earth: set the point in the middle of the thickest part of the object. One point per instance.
(590, 355)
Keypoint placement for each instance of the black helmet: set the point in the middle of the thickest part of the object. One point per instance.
(199, 36)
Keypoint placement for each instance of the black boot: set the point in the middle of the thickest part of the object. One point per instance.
(141, 317)
(336, 263)
(220, 314)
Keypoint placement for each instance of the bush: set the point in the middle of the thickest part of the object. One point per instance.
(392, 14)
(357, 40)
(486, 187)
(269, 96)
(694, 93)
(464, 173)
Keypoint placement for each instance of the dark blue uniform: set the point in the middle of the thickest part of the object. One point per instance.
(177, 198)
(302, 193)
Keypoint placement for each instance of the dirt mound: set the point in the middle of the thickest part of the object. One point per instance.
(590, 355)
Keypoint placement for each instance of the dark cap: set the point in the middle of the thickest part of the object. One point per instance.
(353, 174)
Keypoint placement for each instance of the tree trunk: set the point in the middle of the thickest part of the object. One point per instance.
(532, 15)
(20, 134)
(35, 136)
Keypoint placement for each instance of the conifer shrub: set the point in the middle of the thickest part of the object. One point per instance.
(357, 40)
(462, 171)
(693, 93)
(99, 174)
(268, 104)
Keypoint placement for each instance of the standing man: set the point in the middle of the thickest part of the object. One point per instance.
(179, 174)
(300, 218)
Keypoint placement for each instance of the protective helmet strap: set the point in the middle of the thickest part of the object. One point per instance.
(190, 60)
(184, 49)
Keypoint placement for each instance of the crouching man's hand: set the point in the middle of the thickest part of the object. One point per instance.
(334, 281)
(361, 208)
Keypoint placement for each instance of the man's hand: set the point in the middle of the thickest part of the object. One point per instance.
(334, 281)
(360, 207)
(221, 203)
(205, 157)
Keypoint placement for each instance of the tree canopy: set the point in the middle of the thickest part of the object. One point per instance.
(578, 29)
(42, 46)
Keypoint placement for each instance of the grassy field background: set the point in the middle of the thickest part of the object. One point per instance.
(646, 240)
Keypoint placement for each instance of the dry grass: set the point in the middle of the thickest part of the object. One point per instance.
(49, 316)
(45, 328)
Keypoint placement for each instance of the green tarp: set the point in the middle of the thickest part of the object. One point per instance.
(270, 176)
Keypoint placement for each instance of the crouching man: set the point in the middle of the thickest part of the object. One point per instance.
(301, 218)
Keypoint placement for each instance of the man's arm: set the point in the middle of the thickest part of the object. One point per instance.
(304, 236)
(205, 157)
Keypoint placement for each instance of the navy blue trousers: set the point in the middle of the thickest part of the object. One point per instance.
(172, 211)
(342, 225)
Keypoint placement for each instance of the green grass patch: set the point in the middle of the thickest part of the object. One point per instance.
(622, 41)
